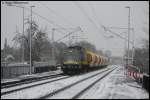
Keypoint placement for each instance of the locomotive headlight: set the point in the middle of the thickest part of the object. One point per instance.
(70, 51)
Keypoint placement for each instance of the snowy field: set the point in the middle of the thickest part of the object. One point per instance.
(116, 86)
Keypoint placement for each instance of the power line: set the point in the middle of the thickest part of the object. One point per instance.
(94, 12)
(60, 17)
(119, 28)
(99, 22)
(54, 12)
(118, 35)
(85, 14)
(108, 28)
(49, 21)
(67, 35)
(64, 36)
(53, 24)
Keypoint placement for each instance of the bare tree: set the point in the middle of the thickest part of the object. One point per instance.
(39, 38)
(142, 54)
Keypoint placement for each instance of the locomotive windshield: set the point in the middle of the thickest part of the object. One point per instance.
(72, 54)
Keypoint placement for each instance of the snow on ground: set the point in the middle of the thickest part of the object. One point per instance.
(31, 76)
(30, 84)
(116, 86)
(9, 80)
(72, 91)
(41, 90)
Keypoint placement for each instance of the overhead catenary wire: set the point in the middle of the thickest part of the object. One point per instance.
(90, 19)
(86, 15)
(57, 14)
(105, 28)
(119, 28)
(67, 35)
(54, 12)
(99, 22)
(51, 22)
(119, 35)
(44, 18)
(94, 12)
(108, 28)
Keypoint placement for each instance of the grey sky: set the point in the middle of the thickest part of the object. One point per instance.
(109, 13)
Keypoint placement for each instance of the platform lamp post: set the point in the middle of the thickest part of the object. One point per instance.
(31, 42)
(128, 34)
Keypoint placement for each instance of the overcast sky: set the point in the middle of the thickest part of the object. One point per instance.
(89, 15)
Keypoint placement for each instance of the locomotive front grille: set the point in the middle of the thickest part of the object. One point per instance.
(71, 66)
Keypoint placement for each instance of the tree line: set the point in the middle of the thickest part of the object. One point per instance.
(41, 46)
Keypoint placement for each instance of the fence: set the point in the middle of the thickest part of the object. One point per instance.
(16, 69)
(140, 77)
(13, 70)
(136, 75)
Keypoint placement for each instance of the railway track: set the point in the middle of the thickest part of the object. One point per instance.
(89, 86)
(26, 89)
(48, 80)
(27, 81)
(63, 92)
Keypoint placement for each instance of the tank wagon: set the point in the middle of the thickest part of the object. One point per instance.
(77, 59)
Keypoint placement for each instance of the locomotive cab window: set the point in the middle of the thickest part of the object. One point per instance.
(72, 54)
